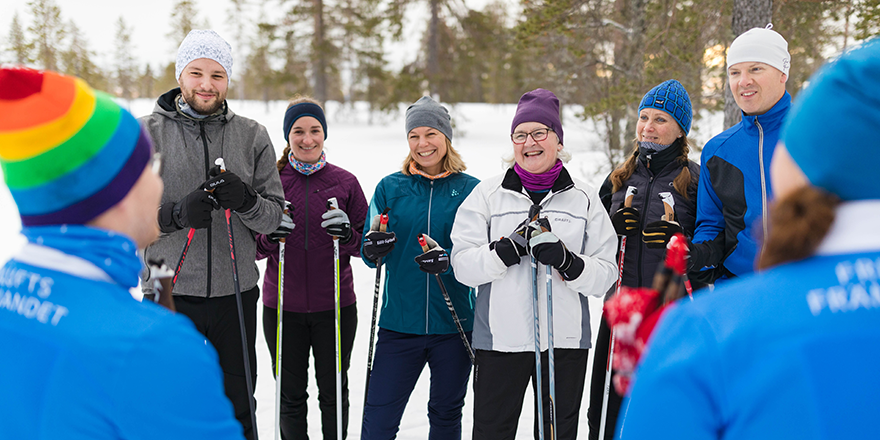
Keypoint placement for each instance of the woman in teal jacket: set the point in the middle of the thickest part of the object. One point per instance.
(416, 326)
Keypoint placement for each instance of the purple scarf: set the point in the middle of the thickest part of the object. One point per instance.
(539, 182)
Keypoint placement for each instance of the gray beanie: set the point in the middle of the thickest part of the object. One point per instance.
(427, 113)
(203, 43)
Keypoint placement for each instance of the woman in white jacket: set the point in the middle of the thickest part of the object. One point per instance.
(580, 246)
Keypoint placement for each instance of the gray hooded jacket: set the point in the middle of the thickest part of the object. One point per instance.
(189, 148)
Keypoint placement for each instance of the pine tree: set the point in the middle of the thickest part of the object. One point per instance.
(146, 83)
(125, 67)
(48, 31)
(77, 59)
(19, 45)
(183, 20)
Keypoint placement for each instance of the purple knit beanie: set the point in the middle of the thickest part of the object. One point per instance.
(539, 105)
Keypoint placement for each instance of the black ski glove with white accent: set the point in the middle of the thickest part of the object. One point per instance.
(549, 250)
(657, 234)
(626, 221)
(511, 249)
(436, 260)
(230, 190)
(378, 244)
(284, 229)
(336, 223)
(193, 211)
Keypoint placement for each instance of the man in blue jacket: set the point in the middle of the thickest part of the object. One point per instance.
(789, 352)
(734, 186)
(81, 358)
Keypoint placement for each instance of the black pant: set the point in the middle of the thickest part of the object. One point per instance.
(217, 319)
(500, 385)
(597, 388)
(315, 332)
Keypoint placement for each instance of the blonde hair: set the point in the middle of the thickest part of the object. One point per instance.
(681, 182)
(297, 99)
(452, 162)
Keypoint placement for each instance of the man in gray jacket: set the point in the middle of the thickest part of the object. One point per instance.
(192, 127)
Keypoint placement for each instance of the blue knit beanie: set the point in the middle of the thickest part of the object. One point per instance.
(840, 107)
(671, 97)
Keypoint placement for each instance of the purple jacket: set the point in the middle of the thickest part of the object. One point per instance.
(308, 255)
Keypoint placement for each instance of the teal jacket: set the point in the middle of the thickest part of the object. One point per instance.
(411, 301)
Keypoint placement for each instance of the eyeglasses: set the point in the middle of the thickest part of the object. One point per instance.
(538, 135)
(156, 163)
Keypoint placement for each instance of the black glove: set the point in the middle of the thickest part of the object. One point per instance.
(436, 260)
(511, 249)
(626, 221)
(336, 223)
(657, 234)
(284, 229)
(193, 211)
(230, 191)
(549, 250)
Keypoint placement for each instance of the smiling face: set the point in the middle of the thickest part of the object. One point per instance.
(306, 139)
(203, 84)
(756, 87)
(658, 127)
(536, 157)
(427, 147)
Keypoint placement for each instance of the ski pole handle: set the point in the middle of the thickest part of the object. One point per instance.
(286, 212)
(383, 220)
(423, 243)
(331, 205)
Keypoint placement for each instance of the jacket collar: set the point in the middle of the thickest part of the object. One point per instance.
(770, 120)
(512, 182)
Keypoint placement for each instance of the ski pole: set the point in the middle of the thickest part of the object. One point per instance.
(244, 345)
(189, 239)
(606, 393)
(278, 330)
(669, 215)
(551, 364)
(451, 307)
(539, 394)
(383, 226)
(333, 204)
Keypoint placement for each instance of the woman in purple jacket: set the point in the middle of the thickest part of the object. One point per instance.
(309, 181)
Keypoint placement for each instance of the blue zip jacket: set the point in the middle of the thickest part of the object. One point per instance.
(788, 353)
(82, 359)
(733, 194)
(412, 302)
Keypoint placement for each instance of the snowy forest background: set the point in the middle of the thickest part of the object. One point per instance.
(601, 55)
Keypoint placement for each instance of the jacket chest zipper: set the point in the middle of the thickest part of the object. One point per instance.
(427, 276)
(306, 241)
(764, 218)
(644, 217)
(210, 235)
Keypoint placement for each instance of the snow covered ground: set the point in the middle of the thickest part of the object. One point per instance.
(371, 148)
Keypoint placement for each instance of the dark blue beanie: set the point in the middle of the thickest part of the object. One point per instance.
(839, 108)
(297, 111)
(671, 97)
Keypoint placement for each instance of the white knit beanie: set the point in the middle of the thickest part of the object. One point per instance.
(203, 43)
(762, 45)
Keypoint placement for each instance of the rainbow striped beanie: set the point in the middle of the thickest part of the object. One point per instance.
(68, 153)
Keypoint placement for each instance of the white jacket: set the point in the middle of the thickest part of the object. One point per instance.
(504, 317)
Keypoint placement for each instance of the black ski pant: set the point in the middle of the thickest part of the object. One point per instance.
(597, 388)
(217, 319)
(500, 384)
(305, 334)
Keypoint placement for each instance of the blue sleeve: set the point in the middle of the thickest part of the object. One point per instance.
(710, 219)
(676, 392)
(172, 388)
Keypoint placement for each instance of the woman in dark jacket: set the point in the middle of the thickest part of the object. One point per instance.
(662, 181)
(309, 306)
